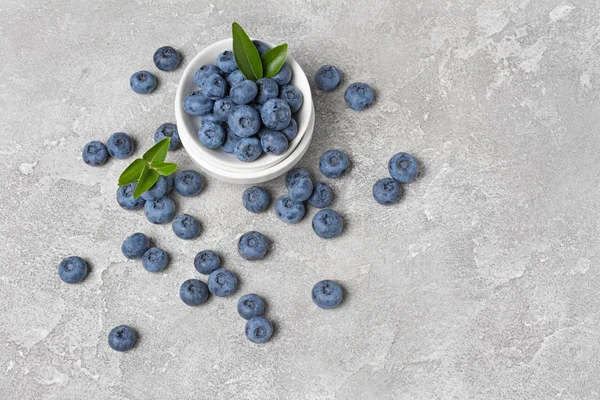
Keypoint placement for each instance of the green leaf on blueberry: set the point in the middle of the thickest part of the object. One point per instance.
(274, 59)
(138, 188)
(165, 168)
(146, 182)
(246, 55)
(132, 172)
(157, 153)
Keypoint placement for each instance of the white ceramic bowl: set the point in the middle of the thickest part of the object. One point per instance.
(226, 166)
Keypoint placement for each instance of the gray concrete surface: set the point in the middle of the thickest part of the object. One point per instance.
(482, 284)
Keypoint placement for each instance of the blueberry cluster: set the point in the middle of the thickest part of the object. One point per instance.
(251, 307)
(240, 116)
(119, 145)
(138, 246)
(403, 168)
(357, 96)
(165, 59)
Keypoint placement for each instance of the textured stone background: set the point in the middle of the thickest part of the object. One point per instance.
(482, 284)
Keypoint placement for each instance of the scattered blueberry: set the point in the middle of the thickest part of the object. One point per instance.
(327, 294)
(256, 199)
(168, 130)
(213, 87)
(158, 190)
(167, 58)
(387, 191)
(253, 246)
(292, 96)
(170, 179)
(188, 183)
(211, 134)
(261, 46)
(327, 224)
(125, 197)
(248, 149)
(207, 261)
(243, 92)
(251, 305)
(321, 196)
(120, 145)
(222, 282)
(276, 114)
(193, 292)
(403, 167)
(267, 90)
(155, 260)
(135, 246)
(333, 163)
(258, 329)
(244, 121)
(222, 108)
(291, 130)
(160, 211)
(197, 104)
(94, 153)
(284, 76)
(72, 269)
(274, 142)
(299, 184)
(235, 77)
(226, 62)
(328, 78)
(186, 227)
(206, 71)
(142, 82)
(359, 95)
(230, 142)
(122, 338)
(289, 210)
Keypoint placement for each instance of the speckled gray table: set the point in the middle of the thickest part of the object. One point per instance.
(482, 284)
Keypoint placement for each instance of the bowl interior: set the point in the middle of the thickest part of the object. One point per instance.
(188, 125)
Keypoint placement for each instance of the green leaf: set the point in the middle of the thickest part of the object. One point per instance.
(165, 168)
(157, 153)
(274, 59)
(245, 53)
(148, 177)
(132, 172)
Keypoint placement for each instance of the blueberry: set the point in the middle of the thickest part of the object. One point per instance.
(155, 260)
(235, 77)
(253, 246)
(167, 58)
(213, 87)
(274, 142)
(186, 227)
(120, 145)
(299, 184)
(267, 90)
(206, 71)
(387, 191)
(94, 153)
(359, 95)
(403, 167)
(197, 104)
(211, 134)
(193, 292)
(327, 294)
(170, 179)
(333, 163)
(142, 82)
(207, 261)
(135, 246)
(248, 149)
(328, 78)
(256, 199)
(284, 76)
(321, 196)
(276, 114)
(168, 130)
(244, 121)
(291, 130)
(292, 96)
(230, 142)
(226, 62)
(222, 108)
(261, 46)
(158, 190)
(122, 338)
(160, 211)
(250, 305)
(188, 183)
(222, 282)
(125, 197)
(289, 210)
(327, 224)
(258, 329)
(243, 92)
(72, 269)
